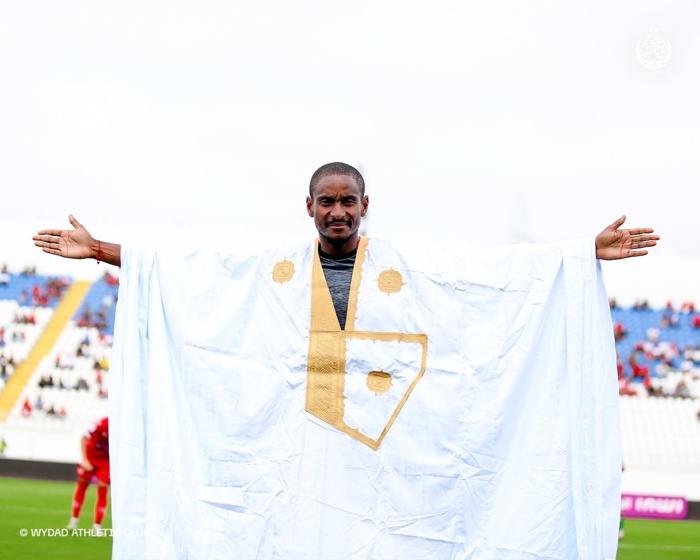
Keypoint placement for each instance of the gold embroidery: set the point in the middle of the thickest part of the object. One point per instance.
(354, 284)
(325, 390)
(283, 271)
(379, 382)
(390, 281)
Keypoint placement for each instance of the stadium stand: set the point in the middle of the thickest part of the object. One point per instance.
(27, 303)
(65, 348)
(659, 377)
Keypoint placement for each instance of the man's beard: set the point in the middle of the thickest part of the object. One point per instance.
(338, 241)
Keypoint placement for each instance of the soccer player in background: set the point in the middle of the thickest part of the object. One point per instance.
(94, 446)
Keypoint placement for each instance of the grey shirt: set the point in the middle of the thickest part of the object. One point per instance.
(338, 272)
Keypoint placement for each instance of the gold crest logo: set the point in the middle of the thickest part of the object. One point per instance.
(390, 281)
(379, 382)
(283, 271)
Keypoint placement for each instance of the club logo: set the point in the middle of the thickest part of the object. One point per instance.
(653, 51)
(283, 271)
(390, 281)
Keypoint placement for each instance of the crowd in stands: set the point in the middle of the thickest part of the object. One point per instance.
(100, 318)
(655, 359)
(17, 335)
(59, 378)
(39, 294)
(29, 292)
(28, 409)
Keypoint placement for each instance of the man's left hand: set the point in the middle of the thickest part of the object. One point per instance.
(614, 243)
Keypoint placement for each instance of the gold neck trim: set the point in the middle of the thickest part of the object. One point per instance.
(323, 315)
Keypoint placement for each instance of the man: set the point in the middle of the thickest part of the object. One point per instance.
(346, 398)
(94, 448)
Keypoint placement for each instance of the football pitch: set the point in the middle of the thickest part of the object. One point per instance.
(31, 505)
(35, 505)
(652, 539)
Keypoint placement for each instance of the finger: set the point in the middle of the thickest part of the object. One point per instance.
(644, 237)
(46, 245)
(46, 238)
(54, 232)
(617, 223)
(75, 223)
(644, 240)
(641, 231)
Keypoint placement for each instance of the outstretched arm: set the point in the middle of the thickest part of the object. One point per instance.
(77, 243)
(614, 243)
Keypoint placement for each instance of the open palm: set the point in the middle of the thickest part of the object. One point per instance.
(70, 243)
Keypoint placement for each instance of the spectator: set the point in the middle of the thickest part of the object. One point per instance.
(619, 331)
(653, 335)
(111, 280)
(682, 391)
(669, 317)
(81, 384)
(688, 307)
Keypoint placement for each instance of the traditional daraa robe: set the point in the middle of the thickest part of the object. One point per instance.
(468, 410)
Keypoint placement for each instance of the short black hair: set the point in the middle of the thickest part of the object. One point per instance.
(336, 168)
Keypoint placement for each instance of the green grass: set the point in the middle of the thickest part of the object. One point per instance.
(652, 539)
(38, 504)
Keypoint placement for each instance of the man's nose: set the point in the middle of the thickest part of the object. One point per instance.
(337, 211)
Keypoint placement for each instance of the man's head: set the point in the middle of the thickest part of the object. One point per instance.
(337, 203)
(336, 168)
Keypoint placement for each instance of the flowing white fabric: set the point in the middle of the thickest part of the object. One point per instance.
(507, 446)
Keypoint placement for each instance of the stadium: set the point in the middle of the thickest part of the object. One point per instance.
(474, 124)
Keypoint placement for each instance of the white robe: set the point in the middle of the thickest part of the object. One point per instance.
(497, 438)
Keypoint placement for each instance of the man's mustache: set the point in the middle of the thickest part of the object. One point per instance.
(341, 221)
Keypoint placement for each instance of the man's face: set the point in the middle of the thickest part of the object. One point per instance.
(337, 210)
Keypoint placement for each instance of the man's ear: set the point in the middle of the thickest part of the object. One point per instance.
(365, 204)
(310, 206)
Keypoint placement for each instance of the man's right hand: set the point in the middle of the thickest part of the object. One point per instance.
(72, 244)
